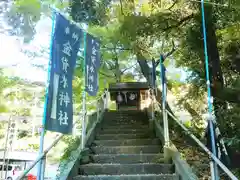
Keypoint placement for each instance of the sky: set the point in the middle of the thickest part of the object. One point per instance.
(11, 53)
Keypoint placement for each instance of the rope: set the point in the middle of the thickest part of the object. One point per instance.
(217, 4)
(223, 167)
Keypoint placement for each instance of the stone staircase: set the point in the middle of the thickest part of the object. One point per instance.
(125, 149)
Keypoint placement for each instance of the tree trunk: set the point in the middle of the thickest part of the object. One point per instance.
(117, 71)
(146, 71)
(117, 66)
(231, 95)
(215, 71)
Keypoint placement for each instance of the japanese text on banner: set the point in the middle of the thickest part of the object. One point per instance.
(64, 53)
(92, 65)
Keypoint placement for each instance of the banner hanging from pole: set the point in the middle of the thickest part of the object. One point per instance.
(221, 151)
(92, 64)
(153, 74)
(163, 77)
(65, 46)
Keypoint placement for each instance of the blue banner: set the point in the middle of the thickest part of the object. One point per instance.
(92, 65)
(65, 46)
(163, 78)
(153, 73)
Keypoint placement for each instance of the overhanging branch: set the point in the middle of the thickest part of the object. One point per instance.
(106, 75)
(174, 3)
(142, 61)
(179, 23)
(128, 68)
(168, 54)
(121, 6)
(121, 49)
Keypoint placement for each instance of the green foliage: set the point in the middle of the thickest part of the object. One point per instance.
(33, 146)
(3, 108)
(126, 30)
(114, 57)
(187, 124)
(73, 144)
(25, 112)
(2, 129)
(5, 83)
(30, 6)
(23, 16)
(190, 55)
(90, 11)
(22, 134)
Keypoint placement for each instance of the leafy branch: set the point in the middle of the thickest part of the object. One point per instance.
(110, 76)
(174, 3)
(128, 68)
(179, 23)
(168, 54)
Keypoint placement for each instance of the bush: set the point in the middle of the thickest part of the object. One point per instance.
(72, 144)
(22, 134)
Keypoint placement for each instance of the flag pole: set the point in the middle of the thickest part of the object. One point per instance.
(213, 164)
(41, 165)
(164, 98)
(84, 92)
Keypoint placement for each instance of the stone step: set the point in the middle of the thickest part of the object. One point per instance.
(125, 126)
(123, 136)
(114, 117)
(128, 112)
(126, 149)
(126, 119)
(118, 123)
(128, 158)
(117, 116)
(124, 116)
(127, 142)
(134, 116)
(123, 131)
(130, 177)
(119, 169)
(129, 119)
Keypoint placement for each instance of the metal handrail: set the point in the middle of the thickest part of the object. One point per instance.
(58, 138)
(23, 174)
(223, 167)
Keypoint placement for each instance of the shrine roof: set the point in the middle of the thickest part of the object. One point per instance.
(128, 86)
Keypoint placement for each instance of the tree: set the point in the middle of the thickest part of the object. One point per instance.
(115, 59)
(5, 83)
(131, 33)
(90, 11)
(22, 16)
(143, 31)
